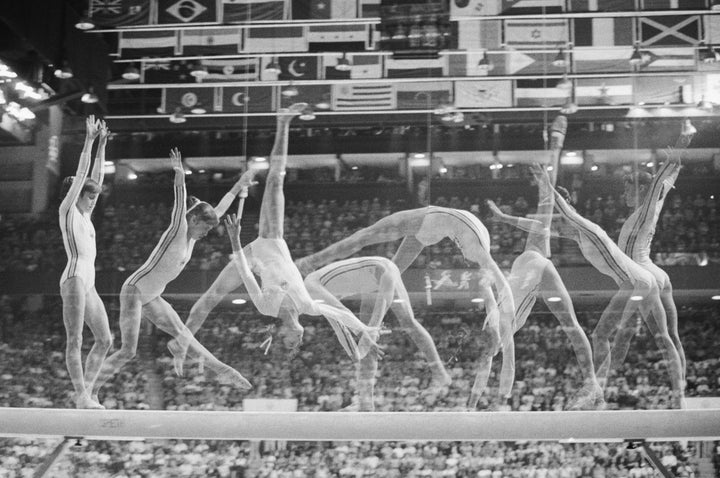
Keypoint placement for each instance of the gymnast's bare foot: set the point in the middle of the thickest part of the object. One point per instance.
(589, 397)
(230, 376)
(84, 401)
(179, 353)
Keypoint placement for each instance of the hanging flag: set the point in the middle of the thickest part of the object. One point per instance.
(539, 93)
(361, 66)
(536, 33)
(669, 30)
(602, 60)
(526, 7)
(246, 11)
(603, 31)
(415, 68)
(673, 4)
(467, 64)
(298, 68)
(474, 35)
(483, 93)
(276, 39)
(473, 8)
(711, 27)
(187, 11)
(369, 8)
(660, 90)
(669, 59)
(423, 95)
(217, 41)
(712, 88)
(152, 43)
(323, 9)
(363, 97)
(310, 94)
(253, 99)
(516, 62)
(601, 5)
(119, 13)
(338, 37)
(188, 98)
(244, 69)
(166, 72)
(604, 91)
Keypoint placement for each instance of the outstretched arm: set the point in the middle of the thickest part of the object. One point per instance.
(240, 188)
(180, 206)
(528, 225)
(92, 129)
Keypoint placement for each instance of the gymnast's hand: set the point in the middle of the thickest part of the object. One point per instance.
(104, 131)
(232, 225)
(539, 172)
(92, 127)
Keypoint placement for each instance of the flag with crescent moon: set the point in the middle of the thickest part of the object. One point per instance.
(298, 68)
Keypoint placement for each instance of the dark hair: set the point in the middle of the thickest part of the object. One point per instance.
(90, 186)
(201, 210)
(642, 178)
(564, 193)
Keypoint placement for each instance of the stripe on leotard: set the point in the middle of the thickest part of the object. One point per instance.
(335, 272)
(462, 218)
(70, 233)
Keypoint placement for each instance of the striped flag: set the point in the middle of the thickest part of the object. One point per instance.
(362, 66)
(669, 59)
(472, 8)
(669, 30)
(662, 89)
(221, 41)
(119, 13)
(166, 72)
(338, 37)
(523, 7)
(603, 31)
(256, 99)
(516, 62)
(673, 4)
(466, 64)
(601, 5)
(364, 97)
(276, 39)
(422, 95)
(536, 33)
(323, 9)
(538, 93)
(599, 60)
(188, 98)
(415, 68)
(152, 43)
(483, 93)
(604, 91)
(473, 35)
(187, 11)
(369, 8)
(245, 69)
(253, 10)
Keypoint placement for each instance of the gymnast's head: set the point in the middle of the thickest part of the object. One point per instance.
(201, 217)
(88, 195)
(636, 186)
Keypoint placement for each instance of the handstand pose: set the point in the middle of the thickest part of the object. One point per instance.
(533, 274)
(646, 195)
(377, 280)
(638, 290)
(140, 295)
(81, 301)
(283, 294)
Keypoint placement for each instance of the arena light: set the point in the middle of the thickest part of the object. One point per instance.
(636, 57)
(715, 297)
(398, 301)
(636, 298)
(554, 299)
(177, 117)
(239, 301)
(198, 71)
(484, 63)
(343, 64)
(259, 159)
(109, 167)
(273, 67)
(84, 23)
(559, 60)
(594, 167)
(290, 91)
(6, 72)
(90, 97)
(131, 73)
(307, 114)
(64, 73)
(477, 300)
(132, 176)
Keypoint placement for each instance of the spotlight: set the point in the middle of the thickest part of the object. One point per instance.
(84, 23)
(90, 97)
(198, 109)
(273, 67)
(198, 71)
(484, 63)
(307, 114)
(559, 60)
(564, 83)
(131, 73)
(64, 73)
(290, 91)
(178, 117)
(636, 57)
(343, 64)
(687, 128)
(594, 167)
(569, 108)
(324, 103)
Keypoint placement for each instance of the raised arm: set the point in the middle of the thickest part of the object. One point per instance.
(526, 224)
(98, 170)
(180, 206)
(240, 187)
(232, 225)
(92, 129)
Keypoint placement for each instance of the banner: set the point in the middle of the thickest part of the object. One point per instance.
(536, 33)
(276, 39)
(604, 91)
(217, 41)
(361, 66)
(187, 11)
(423, 95)
(369, 8)
(483, 93)
(119, 13)
(602, 60)
(188, 98)
(603, 31)
(254, 99)
(363, 97)
(310, 94)
(247, 11)
(153, 43)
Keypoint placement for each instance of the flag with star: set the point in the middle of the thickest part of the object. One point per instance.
(338, 37)
(536, 33)
(483, 93)
(324, 9)
(187, 11)
(166, 72)
(604, 91)
(243, 11)
(361, 66)
(119, 13)
(298, 67)
(253, 99)
(216, 41)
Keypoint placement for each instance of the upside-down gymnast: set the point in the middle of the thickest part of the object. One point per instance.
(81, 302)
(141, 294)
(377, 280)
(533, 274)
(283, 294)
(638, 291)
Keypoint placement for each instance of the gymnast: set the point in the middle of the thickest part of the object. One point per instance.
(377, 280)
(533, 274)
(81, 302)
(141, 294)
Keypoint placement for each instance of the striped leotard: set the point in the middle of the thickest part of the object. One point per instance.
(78, 235)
